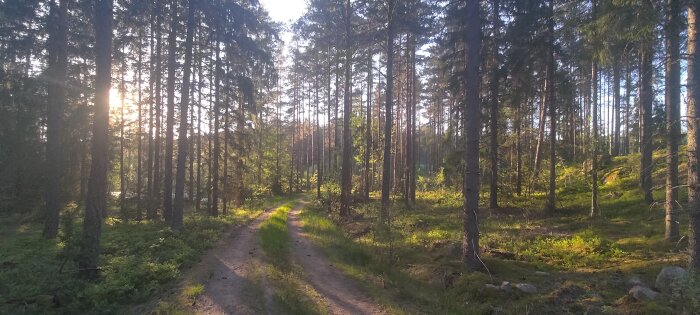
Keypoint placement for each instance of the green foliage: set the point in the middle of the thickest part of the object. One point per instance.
(138, 260)
(582, 249)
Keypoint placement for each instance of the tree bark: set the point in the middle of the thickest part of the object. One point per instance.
(96, 202)
(551, 105)
(693, 137)
(493, 120)
(170, 119)
(673, 105)
(472, 127)
(179, 205)
(646, 98)
(346, 174)
(57, 46)
(388, 120)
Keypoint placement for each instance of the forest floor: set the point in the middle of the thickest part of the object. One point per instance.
(576, 265)
(268, 267)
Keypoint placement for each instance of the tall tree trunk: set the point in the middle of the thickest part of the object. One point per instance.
(472, 127)
(551, 105)
(139, 132)
(389, 119)
(182, 145)
(493, 121)
(595, 209)
(693, 136)
(673, 105)
(646, 99)
(122, 169)
(346, 175)
(518, 138)
(616, 108)
(96, 202)
(57, 74)
(153, 200)
(214, 176)
(170, 119)
(368, 129)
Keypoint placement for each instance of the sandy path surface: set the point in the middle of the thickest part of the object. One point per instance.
(340, 294)
(230, 289)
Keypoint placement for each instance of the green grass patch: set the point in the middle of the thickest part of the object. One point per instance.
(291, 294)
(138, 260)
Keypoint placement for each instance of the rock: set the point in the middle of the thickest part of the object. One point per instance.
(542, 273)
(506, 286)
(497, 310)
(668, 277)
(492, 287)
(526, 287)
(642, 293)
(634, 281)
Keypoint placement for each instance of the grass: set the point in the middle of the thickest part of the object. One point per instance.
(290, 293)
(415, 266)
(138, 260)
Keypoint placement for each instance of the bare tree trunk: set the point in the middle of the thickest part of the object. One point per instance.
(645, 108)
(551, 105)
(595, 210)
(179, 205)
(152, 209)
(96, 202)
(693, 137)
(214, 176)
(57, 73)
(673, 105)
(170, 120)
(493, 121)
(368, 130)
(139, 132)
(616, 108)
(346, 174)
(472, 127)
(388, 121)
(122, 169)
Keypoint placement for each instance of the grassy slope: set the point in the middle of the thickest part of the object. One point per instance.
(415, 267)
(139, 259)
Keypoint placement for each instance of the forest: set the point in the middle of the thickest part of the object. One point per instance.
(361, 157)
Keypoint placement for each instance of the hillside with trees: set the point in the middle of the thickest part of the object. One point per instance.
(366, 157)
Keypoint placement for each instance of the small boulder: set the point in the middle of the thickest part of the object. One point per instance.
(668, 277)
(497, 310)
(506, 286)
(634, 281)
(526, 288)
(492, 287)
(642, 293)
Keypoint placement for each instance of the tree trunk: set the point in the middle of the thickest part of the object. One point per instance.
(214, 176)
(693, 137)
(57, 72)
(673, 105)
(170, 119)
(388, 120)
(493, 120)
(368, 130)
(346, 174)
(472, 127)
(96, 202)
(551, 105)
(139, 132)
(646, 98)
(595, 210)
(153, 200)
(182, 145)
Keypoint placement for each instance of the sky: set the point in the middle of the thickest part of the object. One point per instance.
(284, 10)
